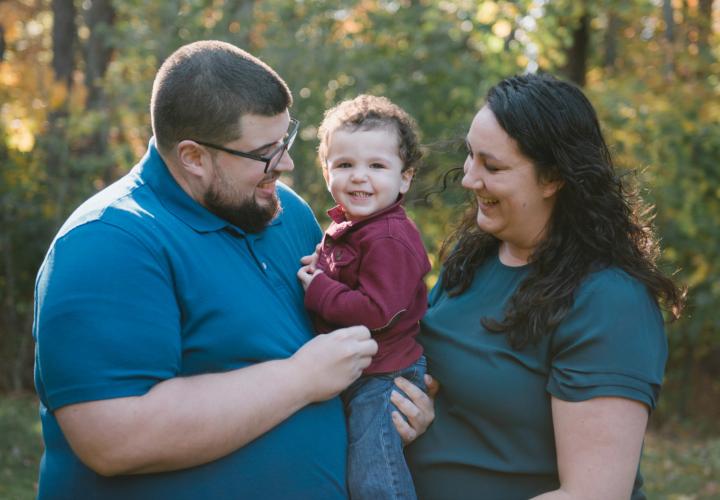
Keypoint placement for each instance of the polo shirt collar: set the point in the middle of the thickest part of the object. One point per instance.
(155, 173)
(342, 225)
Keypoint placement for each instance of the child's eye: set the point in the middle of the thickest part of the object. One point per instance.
(377, 165)
(343, 165)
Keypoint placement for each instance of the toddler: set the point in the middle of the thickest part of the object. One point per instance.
(370, 271)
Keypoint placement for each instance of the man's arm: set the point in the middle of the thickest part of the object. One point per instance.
(188, 421)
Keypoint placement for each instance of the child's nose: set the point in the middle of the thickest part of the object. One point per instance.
(358, 174)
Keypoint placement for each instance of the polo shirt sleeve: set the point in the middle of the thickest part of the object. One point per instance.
(612, 343)
(387, 285)
(107, 323)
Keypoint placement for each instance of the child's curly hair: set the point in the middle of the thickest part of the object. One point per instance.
(368, 112)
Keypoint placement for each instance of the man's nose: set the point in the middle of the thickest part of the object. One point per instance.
(286, 163)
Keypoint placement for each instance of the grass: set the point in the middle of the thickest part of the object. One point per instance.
(20, 447)
(679, 462)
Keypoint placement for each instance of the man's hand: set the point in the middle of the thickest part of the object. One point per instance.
(332, 361)
(419, 409)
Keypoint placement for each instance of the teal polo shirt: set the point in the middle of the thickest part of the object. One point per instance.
(493, 432)
(143, 284)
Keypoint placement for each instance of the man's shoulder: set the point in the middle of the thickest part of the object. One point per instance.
(125, 204)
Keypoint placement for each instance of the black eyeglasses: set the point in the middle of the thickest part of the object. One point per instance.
(271, 161)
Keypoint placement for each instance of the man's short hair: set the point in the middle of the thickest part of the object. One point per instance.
(203, 89)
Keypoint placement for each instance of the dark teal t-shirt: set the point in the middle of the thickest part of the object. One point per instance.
(143, 284)
(493, 434)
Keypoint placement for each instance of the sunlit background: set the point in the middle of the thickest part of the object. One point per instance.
(75, 80)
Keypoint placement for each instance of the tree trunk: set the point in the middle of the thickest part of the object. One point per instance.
(610, 41)
(63, 37)
(705, 8)
(55, 147)
(669, 18)
(2, 43)
(99, 18)
(242, 11)
(577, 53)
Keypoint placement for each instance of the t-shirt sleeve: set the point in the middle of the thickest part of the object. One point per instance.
(107, 324)
(611, 344)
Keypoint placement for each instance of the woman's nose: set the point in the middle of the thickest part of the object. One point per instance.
(470, 180)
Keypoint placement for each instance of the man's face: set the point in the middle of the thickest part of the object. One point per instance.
(239, 190)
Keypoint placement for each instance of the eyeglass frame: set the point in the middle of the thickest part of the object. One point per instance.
(285, 146)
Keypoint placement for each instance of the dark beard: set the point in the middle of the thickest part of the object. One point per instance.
(248, 216)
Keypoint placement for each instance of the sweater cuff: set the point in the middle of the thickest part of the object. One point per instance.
(317, 291)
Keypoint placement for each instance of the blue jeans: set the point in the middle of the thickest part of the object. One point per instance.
(376, 464)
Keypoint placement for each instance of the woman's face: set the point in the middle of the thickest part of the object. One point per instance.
(513, 204)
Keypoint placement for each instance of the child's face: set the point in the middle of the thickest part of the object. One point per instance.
(364, 171)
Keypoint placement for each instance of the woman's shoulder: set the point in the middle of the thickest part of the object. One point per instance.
(610, 302)
(612, 284)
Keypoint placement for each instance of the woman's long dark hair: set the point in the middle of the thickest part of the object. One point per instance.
(597, 221)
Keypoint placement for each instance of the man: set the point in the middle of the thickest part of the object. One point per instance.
(174, 358)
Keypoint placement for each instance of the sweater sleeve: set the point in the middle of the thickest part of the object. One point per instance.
(387, 285)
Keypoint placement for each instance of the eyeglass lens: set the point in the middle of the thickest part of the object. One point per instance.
(275, 160)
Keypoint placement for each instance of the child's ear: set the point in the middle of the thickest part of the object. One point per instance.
(406, 179)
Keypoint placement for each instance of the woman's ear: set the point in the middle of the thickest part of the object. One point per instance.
(551, 188)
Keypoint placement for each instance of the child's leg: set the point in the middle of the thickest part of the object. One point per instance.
(376, 464)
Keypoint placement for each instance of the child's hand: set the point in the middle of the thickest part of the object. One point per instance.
(307, 273)
(311, 260)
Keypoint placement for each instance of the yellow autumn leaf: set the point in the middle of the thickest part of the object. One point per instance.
(487, 12)
(58, 95)
(502, 28)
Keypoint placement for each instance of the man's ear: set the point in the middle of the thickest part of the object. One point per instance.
(194, 159)
(407, 177)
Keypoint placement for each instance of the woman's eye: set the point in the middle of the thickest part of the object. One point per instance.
(469, 150)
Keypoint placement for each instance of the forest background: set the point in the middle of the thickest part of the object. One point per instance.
(75, 80)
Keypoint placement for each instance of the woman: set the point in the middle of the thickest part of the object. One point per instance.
(544, 330)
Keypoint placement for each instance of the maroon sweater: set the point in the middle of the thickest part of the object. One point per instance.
(373, 275)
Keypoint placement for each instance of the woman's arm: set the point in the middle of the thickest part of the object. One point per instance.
(598, 443)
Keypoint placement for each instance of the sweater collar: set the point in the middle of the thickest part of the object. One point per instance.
(341, 225)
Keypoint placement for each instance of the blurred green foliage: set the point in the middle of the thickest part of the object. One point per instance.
(653, 77)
